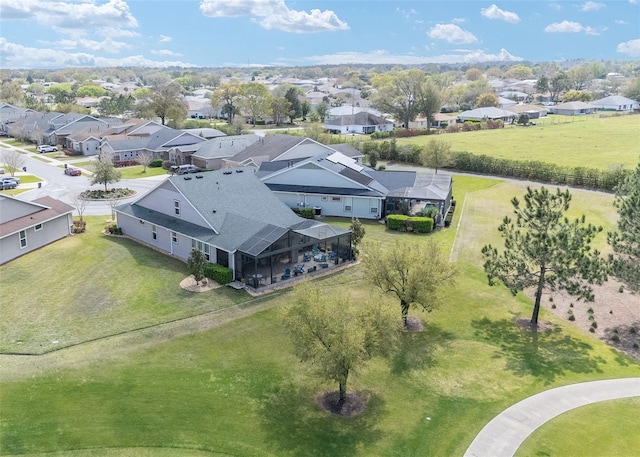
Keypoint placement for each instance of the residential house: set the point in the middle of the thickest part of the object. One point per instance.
(286, 147)
(483, 114)
(440, 120)
(26, 226)
(10, 114)
(504, 103)
(616, 103)
(361, 123)
(235, 221)
(150, 137)
(573, 108)
(533, 111)
(211, 154)
(430, 191)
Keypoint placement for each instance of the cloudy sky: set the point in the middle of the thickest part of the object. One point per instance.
(214, 33)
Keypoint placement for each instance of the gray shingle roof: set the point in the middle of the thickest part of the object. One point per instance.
(270, 146)
(361, 118)
(225, 146)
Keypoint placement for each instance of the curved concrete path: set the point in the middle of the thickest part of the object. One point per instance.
(505, 433)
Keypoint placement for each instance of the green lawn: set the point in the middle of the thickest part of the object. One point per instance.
(590, 141)
(136, 171)
(236, 388)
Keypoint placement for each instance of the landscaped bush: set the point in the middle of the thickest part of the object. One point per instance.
(408, 133)
(218, 273)
(79, 226)
(155, 163)
(167, 164)
(99, 194)
(422, 224)
(396, 221)
(113, 229)
(307, 213)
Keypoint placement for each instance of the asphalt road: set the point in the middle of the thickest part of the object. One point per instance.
(62, 187)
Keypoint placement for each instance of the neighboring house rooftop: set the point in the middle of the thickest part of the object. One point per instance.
(224, 146)
(614, 100)
(485, 113)
(16, 214)
(361, 118)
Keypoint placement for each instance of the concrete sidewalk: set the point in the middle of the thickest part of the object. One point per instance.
(505, 433)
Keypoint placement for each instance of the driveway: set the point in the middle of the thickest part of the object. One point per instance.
(507, 431)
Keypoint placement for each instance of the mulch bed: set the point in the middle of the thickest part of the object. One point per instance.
(354, 404)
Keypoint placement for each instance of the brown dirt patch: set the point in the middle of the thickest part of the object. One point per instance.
(542, 326)
(189, 283)
(616, 315)
(354, 404)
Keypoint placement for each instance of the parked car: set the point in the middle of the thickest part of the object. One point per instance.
(46, 148)
(184, 169)
(7, 184)
(11, 178)
(71, 171)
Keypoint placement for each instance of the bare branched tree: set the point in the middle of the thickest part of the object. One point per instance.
(144, 158)
(79, 203)
(12, 160)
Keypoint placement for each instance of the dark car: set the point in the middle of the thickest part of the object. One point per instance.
(72, 171)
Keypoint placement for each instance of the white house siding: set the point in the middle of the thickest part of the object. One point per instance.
(163, 201)
(334, 205)
(51, 231)
(90, 147)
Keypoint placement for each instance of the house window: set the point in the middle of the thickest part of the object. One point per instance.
(373, 204)
(176, 207)
(335, 199)
(154, 232)
(348, 202)
(37, 227)
(23, 239)
(174, 237)
(324, 198)
(202, 247)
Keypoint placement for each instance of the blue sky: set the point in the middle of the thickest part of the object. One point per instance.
(215, 33)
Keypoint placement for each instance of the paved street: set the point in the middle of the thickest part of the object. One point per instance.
(62, 187)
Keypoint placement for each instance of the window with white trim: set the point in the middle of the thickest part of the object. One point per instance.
(348, 204)
(176, 207)
(174, 237)
(154, 232)
(373, 205)
(335, 199)
(23, 239)
(37, 227)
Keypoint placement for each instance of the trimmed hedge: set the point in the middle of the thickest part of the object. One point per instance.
(418, 224)
(221, 275)
(155, 163)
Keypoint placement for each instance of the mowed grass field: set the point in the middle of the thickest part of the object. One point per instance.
(215, 386)
(587, 141)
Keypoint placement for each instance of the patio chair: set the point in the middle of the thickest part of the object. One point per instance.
(306, 257)
(286, 273)
(300, 268)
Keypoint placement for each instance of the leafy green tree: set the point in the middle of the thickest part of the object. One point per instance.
(292, 97)
(335, 334)
(542, 84)
(167, 102)
(373, 158)
(305, 108)
(105, 171)
(488, 99)
(429, 101)
(414, 274)
(196, 263)
(62, 93)
(520, 72)
(558, 84)
(625, 263)
(436, 154)
(254, 100)
(543, 249)
(632, 90)
(576, 95)
(11, 92)
(90, 90)
(398, 94)
(579, 77)
(322, 109)
(357, 234)
(280, 109)
(473, 74)
(523, 119)
(225, 97)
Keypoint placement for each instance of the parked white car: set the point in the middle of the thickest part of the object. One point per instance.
(46, 148)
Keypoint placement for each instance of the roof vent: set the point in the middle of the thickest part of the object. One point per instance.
(187, 178)
(227, 172)
(214, 211)
(239, 170)
(198, 176)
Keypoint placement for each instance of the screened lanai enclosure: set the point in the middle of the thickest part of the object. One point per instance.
(277, 254)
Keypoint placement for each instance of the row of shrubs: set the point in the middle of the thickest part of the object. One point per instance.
(590, 178)
(221, 275)
(307, 213)
(402, 223)
(100, 194)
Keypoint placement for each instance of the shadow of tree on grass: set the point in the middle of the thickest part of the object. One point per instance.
(416, 349)
(544, 354)
(295, 423)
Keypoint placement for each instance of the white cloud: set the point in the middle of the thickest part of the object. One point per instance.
(633, 2)
(108, 45)
(165, 52)
(275, 14)
(19, 56)
(493, 12)
(591, 31)
(384, 57)
(458, 20)
(621, 22)
(564, 27)
(452, 34)
(164, 39)
(631, 48)
(592, 6)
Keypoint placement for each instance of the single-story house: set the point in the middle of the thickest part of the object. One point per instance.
(616, 103)
(361, 123)
(430, 191)
(211, 153)
(533, 111)
(235, 221)
(483, 114)
(505, 102)
(26, 226)
(440, 120)
(573, 108)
